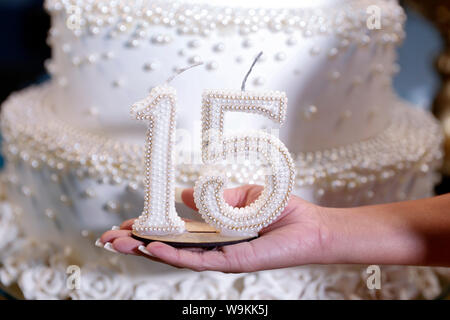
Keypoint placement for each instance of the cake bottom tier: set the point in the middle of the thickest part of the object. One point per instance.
(64, 187)
(43, 270)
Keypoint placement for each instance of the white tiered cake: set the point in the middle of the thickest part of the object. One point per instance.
(75, 156)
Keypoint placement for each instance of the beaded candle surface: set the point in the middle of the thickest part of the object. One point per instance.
(216, 148)
(159, 216)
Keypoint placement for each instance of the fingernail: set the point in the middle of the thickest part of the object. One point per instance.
(115, 228)
(99, 243)
(178, 192)
(108, 246)
(145, 251)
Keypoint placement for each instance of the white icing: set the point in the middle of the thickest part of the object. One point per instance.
(111, 85)
(107, 278)
(43, 283)
(103, 282)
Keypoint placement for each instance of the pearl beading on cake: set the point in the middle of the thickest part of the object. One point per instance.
(216, 149)
(32, 133)
(159, 215)
(122, 16)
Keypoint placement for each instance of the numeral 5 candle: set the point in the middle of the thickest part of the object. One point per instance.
(159, 216)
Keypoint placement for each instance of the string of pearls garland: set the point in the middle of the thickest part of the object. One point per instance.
(33, 133)
(121, 16)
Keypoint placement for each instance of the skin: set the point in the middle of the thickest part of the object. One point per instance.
(404, 233)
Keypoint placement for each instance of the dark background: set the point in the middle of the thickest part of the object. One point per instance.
(24, 25)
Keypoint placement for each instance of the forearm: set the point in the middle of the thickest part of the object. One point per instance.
(410, 233)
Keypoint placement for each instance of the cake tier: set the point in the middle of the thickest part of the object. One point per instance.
(324, 56)
(67, 186)
(40, 269)
(93, 182)
(89, 164)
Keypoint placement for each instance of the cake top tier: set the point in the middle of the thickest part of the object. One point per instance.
(333, 60)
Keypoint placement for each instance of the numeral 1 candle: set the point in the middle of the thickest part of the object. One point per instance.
(159, 216)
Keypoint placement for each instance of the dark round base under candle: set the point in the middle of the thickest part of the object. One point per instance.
(197, 235)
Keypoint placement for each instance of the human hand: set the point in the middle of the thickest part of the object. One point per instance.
(299, 236)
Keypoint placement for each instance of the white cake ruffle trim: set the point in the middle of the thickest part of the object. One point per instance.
(39, 269)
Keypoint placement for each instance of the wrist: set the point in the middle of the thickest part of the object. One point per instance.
(370, 235)
(348, 236)
(332, 235)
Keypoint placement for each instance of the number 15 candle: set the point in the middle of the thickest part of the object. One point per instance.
(159, 109)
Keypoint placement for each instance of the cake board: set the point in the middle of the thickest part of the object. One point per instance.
(197, 235)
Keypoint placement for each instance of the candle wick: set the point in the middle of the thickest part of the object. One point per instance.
(250, 70)
(180, 71)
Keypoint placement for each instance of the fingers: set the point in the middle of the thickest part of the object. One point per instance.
(110, 236)
(183, 258)
(236, 197)
(240, 257)
(120, 241)
(127, 245)
(235, 258)
(127, 224)
(242, 196)
(188, 198)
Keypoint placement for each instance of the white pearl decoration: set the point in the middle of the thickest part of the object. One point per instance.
(280, 56)
(93, 112)
(247, 43)
(195, 60)
(118, 83)
(291, 41)
(310, 112)
(314, 51)
(65, 200)
(212, 65)
(112, 206)
(49, 213)
(89, 193)
(333, 53)
(259, 81)
(108, 55)
(335, 75)
(150, 66)
(194, 44)
(219, 47)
